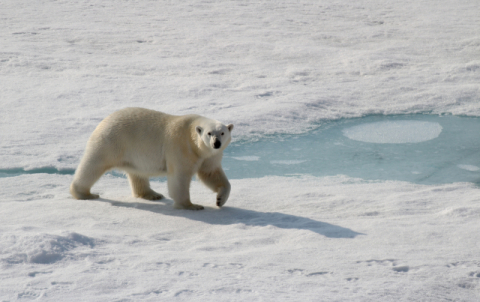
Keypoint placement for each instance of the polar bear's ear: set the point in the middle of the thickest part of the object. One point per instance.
(230, 127)
(199, 130)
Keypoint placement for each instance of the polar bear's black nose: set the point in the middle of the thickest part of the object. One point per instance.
(217, 144)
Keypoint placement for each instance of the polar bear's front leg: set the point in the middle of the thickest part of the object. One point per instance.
(218, 182)
(223, 194)
(179, 190)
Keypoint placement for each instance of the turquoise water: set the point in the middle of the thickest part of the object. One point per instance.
(47, 170)
(424, 149)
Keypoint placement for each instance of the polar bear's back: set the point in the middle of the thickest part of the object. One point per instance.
(138, 138)
(133, 124)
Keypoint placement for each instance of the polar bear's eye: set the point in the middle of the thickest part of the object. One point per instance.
(209, 133)
(223, 133)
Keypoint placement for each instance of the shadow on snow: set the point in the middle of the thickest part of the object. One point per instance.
(231, 215)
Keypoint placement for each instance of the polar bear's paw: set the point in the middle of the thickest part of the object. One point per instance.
(92, 196)
(195, 207)
(151, 195)
(191, 206)
(86, 196)
(81, 193)
(221, 201)
(222, 196)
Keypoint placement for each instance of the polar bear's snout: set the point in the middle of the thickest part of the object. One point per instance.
(216, 137)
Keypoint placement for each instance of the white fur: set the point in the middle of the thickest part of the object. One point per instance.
(146, 143)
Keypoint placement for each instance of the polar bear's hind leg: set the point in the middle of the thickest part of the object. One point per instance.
(141, 187)
(86, 176)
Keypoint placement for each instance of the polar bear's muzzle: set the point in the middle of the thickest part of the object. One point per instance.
(217, 144)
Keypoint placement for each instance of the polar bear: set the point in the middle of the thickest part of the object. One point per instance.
(146, 143)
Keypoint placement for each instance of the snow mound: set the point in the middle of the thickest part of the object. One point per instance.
(42, 248)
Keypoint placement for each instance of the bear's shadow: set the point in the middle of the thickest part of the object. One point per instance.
(231, 215)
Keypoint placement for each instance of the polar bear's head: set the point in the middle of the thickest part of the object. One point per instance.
(215, 135)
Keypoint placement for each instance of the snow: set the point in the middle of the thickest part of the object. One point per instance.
(270, 68)
(337, 238)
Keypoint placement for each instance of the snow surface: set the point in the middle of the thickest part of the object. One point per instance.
(268, 67)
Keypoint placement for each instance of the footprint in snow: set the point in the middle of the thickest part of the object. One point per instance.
(183, 292)
(318, 274)
(229, 265)
(384, 262)
(401, 269)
